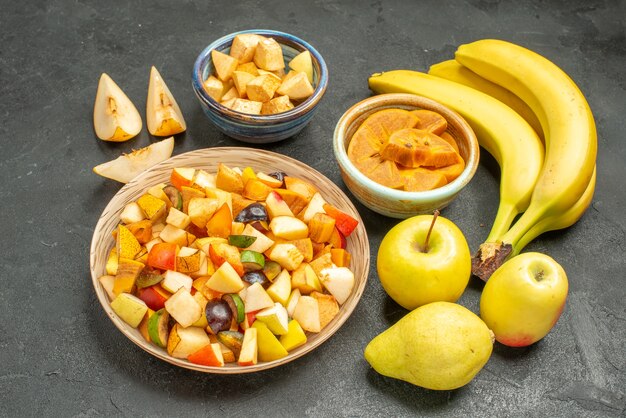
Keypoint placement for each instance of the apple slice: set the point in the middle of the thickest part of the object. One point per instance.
(184, 341)
(248, 354)
(316, 205)
(209, 355)
(107, 283)
(163, 116)
(289, 227)
(183, 307)
(295, 336)
(302, 62)
(293, 301)
(339, 281)
(130, 308)
(280, 289)
(128, 166)
(268, 345)
(115, 117)
(173, 280)
(275, 318)
(225, 280)
(276, 205)
(256, 298)
(307, 314)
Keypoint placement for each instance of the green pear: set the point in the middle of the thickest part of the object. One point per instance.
(438, 346)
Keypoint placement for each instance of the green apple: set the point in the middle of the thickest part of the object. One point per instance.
(415, 270)
(524, 298)
(275, 318)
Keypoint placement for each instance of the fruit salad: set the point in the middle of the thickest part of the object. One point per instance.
(237, 266)
(251, 78)
(406, 150)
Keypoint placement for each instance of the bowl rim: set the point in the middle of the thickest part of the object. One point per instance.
(282, 37)
(403, 99)
(217, 152)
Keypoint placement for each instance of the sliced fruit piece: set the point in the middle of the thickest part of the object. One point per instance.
(277, 105)
(420, 179)
(231, 339)
(183, 307)
(430, 121)
(163, 115)
(300, 186)
(450, 140)
(316, 205)
(252, 260)
(174, 196)
(225, 280)
(241, 80)
(343, 222)
(262, 88)
(268, 55)
(271, 270)
(293, 301)
(339, 281)
(280, 289)
(158, 328)
(295, 336)
(241, 241)
(257, 298)
(107, 282)
(322, 262)
(201, 209)
(177, 218)
(337, 240)
(328, 307)
(184, 341)
(340, 257)
(297, 87)
(289, 227)
(236, 306)
(127, 245)
(224, 65)
(305, 279)
(112, 261)
(163, 256)
(303, 63)
(256, 190)
(321, 227)
(248, 67)
(143, 325)
(287, 255)
(296, 201)
(214, 87)
(177, 236)
(129, 308)
(262, 243)
(220, 224)
(228, 179)
(451, 172)
(275, 318)
(307, 314)
(246, 106)
(182, 176)
(188, 260)
(221, 252)
(209, 355)
(305, 246)
(127, 272)
(276, 206)
(249, 353)
(415, 148)
(142, 230)
(268, 345)
(132, 213)
(115, 117)
(148, 278)
(244, 47)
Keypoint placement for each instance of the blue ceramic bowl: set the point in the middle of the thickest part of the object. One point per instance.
(260, 129)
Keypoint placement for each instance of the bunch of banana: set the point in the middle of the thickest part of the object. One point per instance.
(499, 129)
(566, 183)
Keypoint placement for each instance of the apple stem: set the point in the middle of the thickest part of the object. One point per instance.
(432, 224)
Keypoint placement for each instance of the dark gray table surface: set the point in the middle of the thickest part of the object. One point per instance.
(61, 356)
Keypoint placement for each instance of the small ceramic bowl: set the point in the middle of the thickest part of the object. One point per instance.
(260, 129)
(398, 203)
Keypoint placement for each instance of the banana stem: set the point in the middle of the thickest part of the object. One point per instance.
(504, 218)
(524, 224)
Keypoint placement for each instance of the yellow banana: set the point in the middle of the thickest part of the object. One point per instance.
(569, 131)
(500, 130)
(561, 221)
(453, 71)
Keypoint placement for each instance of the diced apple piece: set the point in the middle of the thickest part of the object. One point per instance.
(224, 65)
(316, 205)
(201, 209)
(292, 302)
(256, 298)
(182, 176)
(132, 213)
(307, 314)
(183, 307)
(248, 67)
(184, 341)
(221, 196)
(241, 80)
(209, 355)
(244, 46)
(289, 227)
(344, 222)
(228, 179)
(128, 166)
(302, 62)
(214, 87)
(112, 262)
(339, 281)
(163, 115)
(129, 308)
(269, 55)
(231, 94)
(107, 282)
(269, 347)
(296, 201)
(287, 255)
(322, 262)
(305, 279)
(176, 235)
(225, 280)
(247, 106)
(178, 218)
(204, 179)
(297, 87)
(277, 105)
(295, 336)
(280, 289)
(115, 117)
(276, 206)
(275, 317)
(262, 242)
(262, 88)
(173, 281)
(273, 182)
(249, 352)
(188, 193)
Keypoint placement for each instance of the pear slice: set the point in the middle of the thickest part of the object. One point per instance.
(163, 116)
(128, 166)
(115, 117)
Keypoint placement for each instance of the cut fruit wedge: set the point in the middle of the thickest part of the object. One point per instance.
(163, 116)
(302, 62)
(421, 179)
(115, 117)
(128, 166)
(430, 121)
(416, 147)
